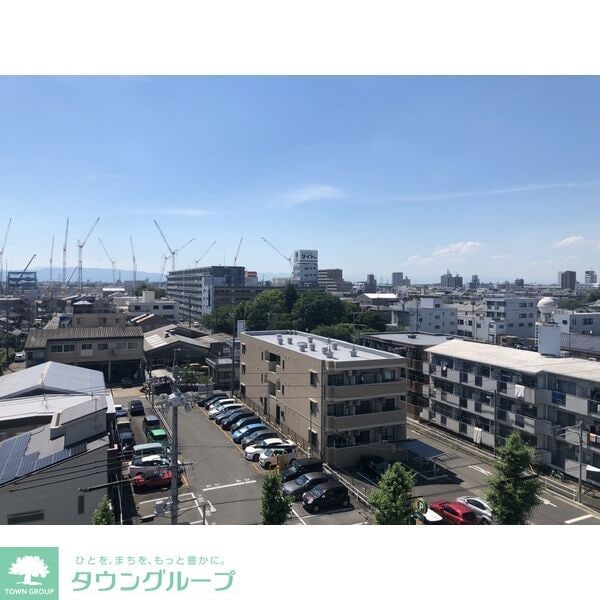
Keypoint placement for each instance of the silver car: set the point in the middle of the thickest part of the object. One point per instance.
(151, 464)
(479, 507)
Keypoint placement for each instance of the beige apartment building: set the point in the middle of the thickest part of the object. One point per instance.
(337, 400)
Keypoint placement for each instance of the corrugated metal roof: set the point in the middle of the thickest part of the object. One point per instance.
(52, 378)
(39, 338)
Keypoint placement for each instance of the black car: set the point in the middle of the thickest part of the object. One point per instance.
(245, 421)
(234, 417)
(136, 408)
(204, 401)
(330, 494)
(257, 436)
(302, 484)
(120, 413)
(301, 466)
(127, 442)
(226, 412)
(373, 466)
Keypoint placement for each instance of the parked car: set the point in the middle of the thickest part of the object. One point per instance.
(303, 483)
(254, 451)
(225, 405)
(257, 436)
(136, 407)
(154, 463)
(479, 507)
(19, 357)
(373, 466)
(244, 422)
(214, 399)
(233, 418)
(299, 467)
(330, 494)
(118, 407)
(455, 513)
(127, 442)
(157, 435)
(150, 449)
(153, 481)
(150, 422)
(247, 430)
(211, 398)
(121, 413)
(123, 424)
(227, 412)
(274, 457)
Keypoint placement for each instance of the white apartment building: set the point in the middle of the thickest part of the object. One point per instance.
(427, 314)
(134, 305)
(306, 266)
(510, 316)
(584, 323)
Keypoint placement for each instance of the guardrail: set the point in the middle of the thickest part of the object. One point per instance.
(356, 492)
(558, 488)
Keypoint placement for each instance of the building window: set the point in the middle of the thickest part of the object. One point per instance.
(56, 348)
(132, 345)
(283, 390)
(313, 438)
(314, 378)
(80, 504)
(86, 346)
(102, 347)
(313, 407)
(69, 348)
(243, 368)
(243, 348)
(25, 517)
(121, 345)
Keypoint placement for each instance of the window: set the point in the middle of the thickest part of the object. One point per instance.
(313, 407)
(313, 438)
(283, 390)
(56, 348)
(243, 368)
(86, 346)
(137, 307)
(243, 348)
(25, 517)
(102, 320)
(314, 378)
(121, 345)
(68, 347)
(389, 375)
(156, 307)
(102, 347)
(80, 504)
(132, 345)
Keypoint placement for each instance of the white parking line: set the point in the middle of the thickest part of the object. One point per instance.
(298, 517)
(220, 487)
(547, 502)
(577, 519)
(478, 468)
(165, 498)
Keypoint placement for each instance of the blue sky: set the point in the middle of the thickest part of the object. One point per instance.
(492, 175)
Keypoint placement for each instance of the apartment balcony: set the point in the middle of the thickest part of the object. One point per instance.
(415, 387)
(415, 365)
(273, 364)
(365, 390)
(375, 419)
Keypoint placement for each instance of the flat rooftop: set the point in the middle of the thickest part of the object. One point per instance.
(411, 339)
(342, 352)
(519, 360)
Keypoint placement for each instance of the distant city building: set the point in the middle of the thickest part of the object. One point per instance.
(397, 279)
(370, 284)
(450, 281)
(251, 278)
(332, 281)
(519, 283)
(427, 314)
(510, 316)
(475, 282)
(582, 323)
(306, 267)
(148, 304)
(591, 278)
(567, 280)
(18, 280)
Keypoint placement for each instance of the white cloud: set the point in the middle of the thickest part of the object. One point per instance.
(574, 240)
(502, 257)
(458, 249)
(179, 212)
(311, 193)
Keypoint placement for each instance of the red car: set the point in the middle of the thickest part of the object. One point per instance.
(455, 513)
(152, 481)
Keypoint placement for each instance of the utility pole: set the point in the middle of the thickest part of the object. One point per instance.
(232, 353)
(579, 485)
(176, 399)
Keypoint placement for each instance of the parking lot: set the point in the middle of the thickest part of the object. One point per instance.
(219, 476)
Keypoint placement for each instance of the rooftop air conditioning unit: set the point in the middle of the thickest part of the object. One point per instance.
(412, 336)
(280, 340)
(302, 348)
(290, 340)
(310, 339)
(324, 349)
(312, 347)
(334, 345)
(353, 352)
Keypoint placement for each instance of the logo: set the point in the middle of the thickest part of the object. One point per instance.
(29, 572)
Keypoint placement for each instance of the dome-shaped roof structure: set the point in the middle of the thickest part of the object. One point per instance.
(546, 305)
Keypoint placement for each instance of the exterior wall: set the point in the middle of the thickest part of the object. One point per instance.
(511, 316)
(306, 266)
(581, 323)
(59, 497)
(295, 393)
(98, 320)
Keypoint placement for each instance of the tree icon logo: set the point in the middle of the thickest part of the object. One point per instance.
(28, 567)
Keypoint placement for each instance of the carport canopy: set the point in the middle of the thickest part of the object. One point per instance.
(421, 449)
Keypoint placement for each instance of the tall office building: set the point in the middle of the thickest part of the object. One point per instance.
(370, 284)
(567, 280)
(591, 278)
(450, 281)
(397, 279)
(306, 267)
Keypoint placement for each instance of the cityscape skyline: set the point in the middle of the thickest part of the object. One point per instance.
(494, 176)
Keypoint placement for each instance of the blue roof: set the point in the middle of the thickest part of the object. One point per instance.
(422, 449)
(14, 463)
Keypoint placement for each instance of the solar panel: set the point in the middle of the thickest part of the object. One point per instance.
(11, 454)
(27, 464)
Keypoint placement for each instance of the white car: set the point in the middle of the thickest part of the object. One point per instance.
(479, 507)
(19, 357)
(270, 457)
(254, 451)
(219, 406)
(150, 465)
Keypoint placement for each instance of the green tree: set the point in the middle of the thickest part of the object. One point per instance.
(276, 508)
(513, 489)
(372, 319)
(317, 308)
(220, 320)
(290, 296)
(263, 311)
(104, 514)
(391, 500)
(341, 331)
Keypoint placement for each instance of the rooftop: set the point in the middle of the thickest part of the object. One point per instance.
(410, 339)
(340, 351)
(39, 338)
(523, 361)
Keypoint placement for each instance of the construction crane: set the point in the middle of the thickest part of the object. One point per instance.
(24, 270)
(162, 269)
(205, 252)
(172, 252)
(2, 251)
(64, 269)
(237, 253)
(71, 276)
(51, 258)
(80, 246)
(112, 262)
(134, 263)
(288, 258)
